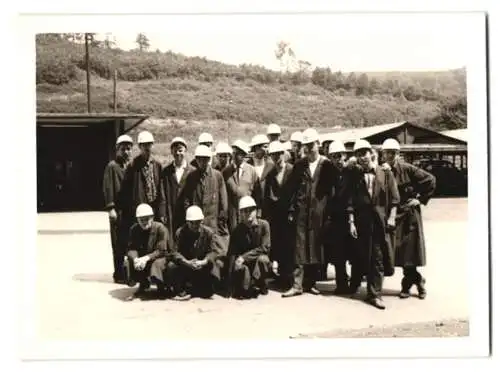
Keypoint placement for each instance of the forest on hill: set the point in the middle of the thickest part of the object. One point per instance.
(174, 86)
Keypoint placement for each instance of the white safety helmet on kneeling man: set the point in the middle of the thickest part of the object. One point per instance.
(144, 210)
(194, 213)
(247, 202)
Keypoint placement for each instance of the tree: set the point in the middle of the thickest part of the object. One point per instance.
(142, 41)
(109, 41)
(285, 55)
(362, 85)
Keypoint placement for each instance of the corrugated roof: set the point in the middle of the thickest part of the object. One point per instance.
(460, 134)
(352, 135)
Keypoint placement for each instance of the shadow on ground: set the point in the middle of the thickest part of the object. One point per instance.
(93, 277)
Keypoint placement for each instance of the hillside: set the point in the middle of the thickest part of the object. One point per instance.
(181, 89)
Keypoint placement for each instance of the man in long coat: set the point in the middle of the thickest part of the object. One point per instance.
(262, 165)
(224, 153)
(296, 151)
(248, 252)
(416, 187)
(371, 206)
(174, 179)
(147, 252)
(309, 190)
(206, 139)
(275, 211)
(111, 185)
(194, 260)
(241, 180)
(142, 183)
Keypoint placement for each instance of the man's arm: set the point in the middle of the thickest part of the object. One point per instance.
(425, 183)
(265, 243)
(108, 187)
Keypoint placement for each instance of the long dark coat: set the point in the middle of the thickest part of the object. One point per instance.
(308, 196)
(259, 191)
(275, 210)
(133, 190)
(112, 182)
(175, 213)
(371, 214)
(207, 190)
(413, 182)
(236, 189)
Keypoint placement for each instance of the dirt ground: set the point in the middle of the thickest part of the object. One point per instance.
(76, 298)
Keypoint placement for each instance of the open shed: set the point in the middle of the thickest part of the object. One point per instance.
(72, 152)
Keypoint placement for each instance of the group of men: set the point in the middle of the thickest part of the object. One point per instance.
(250, 212)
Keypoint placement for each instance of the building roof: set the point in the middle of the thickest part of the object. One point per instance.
(460, 134)
(80, 119)
(351, 135)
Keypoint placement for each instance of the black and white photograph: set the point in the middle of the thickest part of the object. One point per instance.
(258, 178)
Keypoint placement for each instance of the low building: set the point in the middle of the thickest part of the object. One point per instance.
(72, 152)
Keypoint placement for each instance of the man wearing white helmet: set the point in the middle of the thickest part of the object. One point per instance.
(248, 252)
(142, 183)
(206, 139)
(309, 191)
(241, 180)
(147, 251)
(273, 132)
(174, 179)
(195, 258)
(111, 184)
(371, 208)
(224, 153)
(296, 142)
(205, 187)
(416, 188)
(275, 211)
(262, 165)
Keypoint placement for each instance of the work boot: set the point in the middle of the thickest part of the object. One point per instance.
(422, 293)
(292, 292)
(405, 288)
(376, 302)
(182, 296)
(313, 290)
(140, 291)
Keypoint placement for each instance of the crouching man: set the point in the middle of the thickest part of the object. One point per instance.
(249, 247)
(146, 256)
(195, 269)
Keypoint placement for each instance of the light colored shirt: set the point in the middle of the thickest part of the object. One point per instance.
(179, 171)
(259, 169)
(313, 165)
(369, 180)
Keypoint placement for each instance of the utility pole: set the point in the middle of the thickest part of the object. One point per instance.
(87, 65)
(115, 103)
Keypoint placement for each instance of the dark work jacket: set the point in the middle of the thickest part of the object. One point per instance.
(152, 242)
(175, 212)
(191, 245)
(259, 191)
(133, 191)
(413, 182)
(371, 214)
(112, 182)
(250, 242)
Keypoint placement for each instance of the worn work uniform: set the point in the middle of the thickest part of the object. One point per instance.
(142, 183)
(152, 242)
(174, 181)
(310, 192)
(262, 172)
(112, 181)
(252, 243)
(409, 241)
(198, 245)
(275, 210)
(372, 196)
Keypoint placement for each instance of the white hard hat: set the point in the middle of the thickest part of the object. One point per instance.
(144, 210)
(205, 137)
(178, 140)
(287, 146)
(310, 135)
(145, 137)
(275, 146)
(247, 202)
(390, 144)
(361, 144)
(239, 144)
(194, 213)
(259, 139)
(203, 151)
(124, 139)
(223, 148)
(296, 136)
(273, 129)
(336, 146)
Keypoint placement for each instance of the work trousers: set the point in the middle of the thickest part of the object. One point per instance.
(196, 282)
(152, 273)
(251, 273)
(305, 276)
(118, 246)
(411, 276)
(374, 275)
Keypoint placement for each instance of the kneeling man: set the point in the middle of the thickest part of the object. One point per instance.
(147, 248)
(195, 269)
(249, 247)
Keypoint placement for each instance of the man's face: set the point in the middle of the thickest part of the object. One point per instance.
(178, 152)
(248, 216)
(202, 162)
(124, 150)
(145, 222)
(295, 146)
(338, 159)
(239, 156)
(194, 226)
(146, 149)
(278, 157)
(365, 157)
(311, 149)
(389, 156)
(273, 137)
(223, 159)
(260, 151)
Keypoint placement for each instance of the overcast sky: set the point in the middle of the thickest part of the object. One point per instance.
(344, 42)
